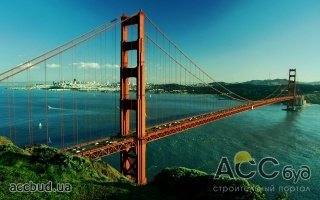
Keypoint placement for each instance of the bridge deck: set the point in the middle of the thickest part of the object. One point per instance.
(107, 146)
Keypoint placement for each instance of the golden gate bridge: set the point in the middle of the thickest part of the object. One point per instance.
(132, 59)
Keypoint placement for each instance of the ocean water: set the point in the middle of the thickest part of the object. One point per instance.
(290, 137)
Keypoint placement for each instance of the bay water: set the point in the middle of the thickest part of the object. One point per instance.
(292, 138)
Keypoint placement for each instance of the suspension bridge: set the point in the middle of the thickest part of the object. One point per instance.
(73, 96)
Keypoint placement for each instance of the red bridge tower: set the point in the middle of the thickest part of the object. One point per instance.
(292, 91)
(133, 160)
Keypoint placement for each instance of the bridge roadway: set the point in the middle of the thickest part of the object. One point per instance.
(107, 146)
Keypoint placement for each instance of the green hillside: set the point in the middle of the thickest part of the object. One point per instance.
(97, 180)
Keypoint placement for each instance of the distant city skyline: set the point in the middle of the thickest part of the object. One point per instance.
(234, 41)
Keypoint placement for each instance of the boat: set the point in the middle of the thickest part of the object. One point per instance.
(49, 107)
(40, 125)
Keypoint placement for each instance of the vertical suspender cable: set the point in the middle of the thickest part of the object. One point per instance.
(14, 114)
(9, 110)
(47, 105)
(77, 116)
(113, 72)
(73, 98)
(61, 103)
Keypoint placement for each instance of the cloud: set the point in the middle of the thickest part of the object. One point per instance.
(94, 65)
(114, 66)
(91, 65)
(53, 65)
(29, 66)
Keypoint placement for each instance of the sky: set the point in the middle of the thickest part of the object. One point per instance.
(231, 40)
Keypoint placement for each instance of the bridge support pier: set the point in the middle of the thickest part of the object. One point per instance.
(292, 91)
(133, 160)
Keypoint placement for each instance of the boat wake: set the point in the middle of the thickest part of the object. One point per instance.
(54, 108)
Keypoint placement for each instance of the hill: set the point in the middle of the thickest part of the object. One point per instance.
(41, 164)
(254, 90)
(267, 82)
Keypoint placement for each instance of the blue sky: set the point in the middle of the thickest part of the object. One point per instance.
(231, 40)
